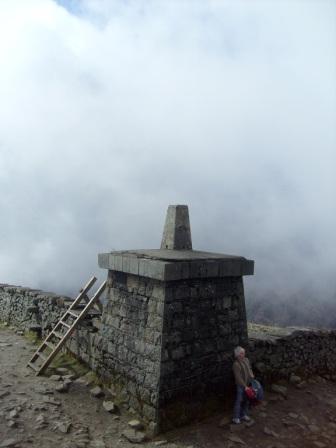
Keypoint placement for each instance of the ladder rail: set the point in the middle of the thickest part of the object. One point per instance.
(71, 330)
(83, 292)
(70, 327)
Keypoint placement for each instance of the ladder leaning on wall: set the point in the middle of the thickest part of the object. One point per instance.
(65, 327)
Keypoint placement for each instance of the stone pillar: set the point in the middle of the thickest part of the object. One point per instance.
(172, 318)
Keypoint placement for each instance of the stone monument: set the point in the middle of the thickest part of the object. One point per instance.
(172, 318)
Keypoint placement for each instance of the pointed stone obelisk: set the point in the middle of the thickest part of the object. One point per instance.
(176, 233)
(175, 315)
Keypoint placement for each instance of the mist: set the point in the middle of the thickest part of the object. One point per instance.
(112, 110)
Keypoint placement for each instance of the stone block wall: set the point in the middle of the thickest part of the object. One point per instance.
(167, 345)
(34, 310)
(304, 352)
(124, 346)
(131, 340)
(31, 309)
(203, 320)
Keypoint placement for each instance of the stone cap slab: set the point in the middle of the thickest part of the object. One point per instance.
(170, 265)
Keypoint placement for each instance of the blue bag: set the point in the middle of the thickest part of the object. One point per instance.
(258, 390)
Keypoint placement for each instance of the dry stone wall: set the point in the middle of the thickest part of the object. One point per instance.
(34, 310)
(130, 334)
(303, 352)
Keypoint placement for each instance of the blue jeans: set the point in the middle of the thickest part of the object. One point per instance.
(241, 403)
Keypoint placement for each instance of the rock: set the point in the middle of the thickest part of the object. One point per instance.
(160, 442)
(134, 436)
(97, 392)
(293, 415)
(313, 428)
(281, 390)
(55, 377)
(304, 418)
(8, 442)
(81, 380)
(270, 432)
(12, 424)
(250, 423)
(319, 444)
(294, 379)
(97, 444)
(44, 390)
(62, 371)
(236, 439)
(288, 422)
(64, 427)
(135, 424)
(13, 414)
(41, 422)
(224, 422)
(4, 394)
(109, 406)
(63, 387)
(236, 428)
(70, 377)
(52, 401)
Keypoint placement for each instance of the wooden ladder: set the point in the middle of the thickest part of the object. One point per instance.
(65, 327)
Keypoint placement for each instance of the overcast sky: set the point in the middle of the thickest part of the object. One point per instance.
(111, 110)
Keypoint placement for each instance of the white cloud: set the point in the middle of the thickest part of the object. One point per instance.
(112, 113)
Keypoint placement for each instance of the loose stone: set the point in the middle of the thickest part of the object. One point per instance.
(97, 392)
(134, 436)
(135, 424)
(109, 406)
(281, 390)
(55, 378)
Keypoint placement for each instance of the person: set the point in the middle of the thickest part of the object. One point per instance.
(243, 375)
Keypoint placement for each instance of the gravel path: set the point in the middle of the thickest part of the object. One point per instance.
(34, 414)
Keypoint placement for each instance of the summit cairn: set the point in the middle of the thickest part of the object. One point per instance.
(171, 320)
(176, 233)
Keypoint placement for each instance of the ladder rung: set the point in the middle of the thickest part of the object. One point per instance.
(58, 335)
(30, 364)
(71, 327)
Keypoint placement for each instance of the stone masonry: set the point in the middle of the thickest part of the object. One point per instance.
(170, 321)
(172, 318)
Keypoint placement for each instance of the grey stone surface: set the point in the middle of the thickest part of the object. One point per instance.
(170, 265)
(137, 308)
(176, 233)
(170, 321)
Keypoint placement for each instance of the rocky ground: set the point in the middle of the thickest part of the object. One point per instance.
(67, 412)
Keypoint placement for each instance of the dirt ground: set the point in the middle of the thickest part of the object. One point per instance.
(34, 414)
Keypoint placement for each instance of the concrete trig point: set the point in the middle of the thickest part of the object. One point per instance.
(172, 318)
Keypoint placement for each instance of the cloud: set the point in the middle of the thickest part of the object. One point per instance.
(110, 111)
